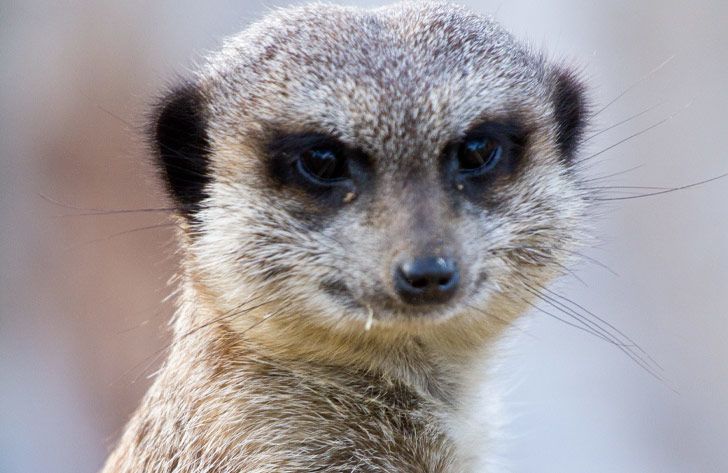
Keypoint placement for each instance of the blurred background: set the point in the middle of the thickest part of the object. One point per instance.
(82, 317)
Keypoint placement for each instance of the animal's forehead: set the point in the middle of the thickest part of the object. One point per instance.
(418, 73)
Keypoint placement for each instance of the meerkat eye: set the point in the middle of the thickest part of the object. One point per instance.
(322, 164)
(479, 155)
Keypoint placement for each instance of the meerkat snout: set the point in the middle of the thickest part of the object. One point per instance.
(427, 280)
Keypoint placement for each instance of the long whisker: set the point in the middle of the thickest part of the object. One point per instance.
(626, 349)
(625, 342)
(556, 248)
(615, 174)
(634, 135)
(606, 322)
(664, 191)
(622, 122)
(566, 310)
(89, 211)
(627, 187)
(131, 126)
(597, 329)
(567, 322)
(635, 85)
(262, 320)
(234, 312)
(118, 234)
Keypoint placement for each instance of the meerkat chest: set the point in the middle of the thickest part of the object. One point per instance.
(348, 425)
(283, 422)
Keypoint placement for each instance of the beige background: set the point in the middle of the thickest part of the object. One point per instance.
(81, 317)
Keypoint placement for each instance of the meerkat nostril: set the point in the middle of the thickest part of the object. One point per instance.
(420, 283)
(428, 280)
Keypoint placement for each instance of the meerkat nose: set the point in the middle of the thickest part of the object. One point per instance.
(427, 280)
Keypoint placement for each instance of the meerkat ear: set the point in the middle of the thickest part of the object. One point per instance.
(571, 111)
(180, 141)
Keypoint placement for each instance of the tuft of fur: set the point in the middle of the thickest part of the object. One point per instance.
(291, 352)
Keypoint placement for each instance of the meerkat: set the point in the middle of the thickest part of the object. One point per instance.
(367, 199)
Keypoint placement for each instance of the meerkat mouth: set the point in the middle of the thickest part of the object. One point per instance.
(386, 306)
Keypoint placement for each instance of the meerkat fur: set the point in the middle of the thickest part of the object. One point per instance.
(292, 351)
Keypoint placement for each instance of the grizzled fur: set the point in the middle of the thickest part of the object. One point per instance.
(291, 351)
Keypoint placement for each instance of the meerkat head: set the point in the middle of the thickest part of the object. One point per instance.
(413, 162)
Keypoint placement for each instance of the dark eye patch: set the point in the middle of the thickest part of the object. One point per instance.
(319, 164)
(487, 154)
(488, 149)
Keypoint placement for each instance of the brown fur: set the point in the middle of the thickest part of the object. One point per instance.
(268, 372)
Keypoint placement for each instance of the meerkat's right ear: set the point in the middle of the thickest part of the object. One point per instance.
(571, 111)
(180, 140)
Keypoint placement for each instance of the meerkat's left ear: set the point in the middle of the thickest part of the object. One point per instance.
(180, 141)
(571, 110)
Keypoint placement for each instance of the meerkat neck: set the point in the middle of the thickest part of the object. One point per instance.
(435, 361)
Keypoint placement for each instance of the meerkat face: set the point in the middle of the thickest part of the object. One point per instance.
(414, 162)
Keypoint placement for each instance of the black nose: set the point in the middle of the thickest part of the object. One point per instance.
(429, 280)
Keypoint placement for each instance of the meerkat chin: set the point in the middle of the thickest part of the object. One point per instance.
(367, 199)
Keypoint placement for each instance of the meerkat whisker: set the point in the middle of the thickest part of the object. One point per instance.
(638, 133)
(622, 122)
(635, 84)
(85, 244)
